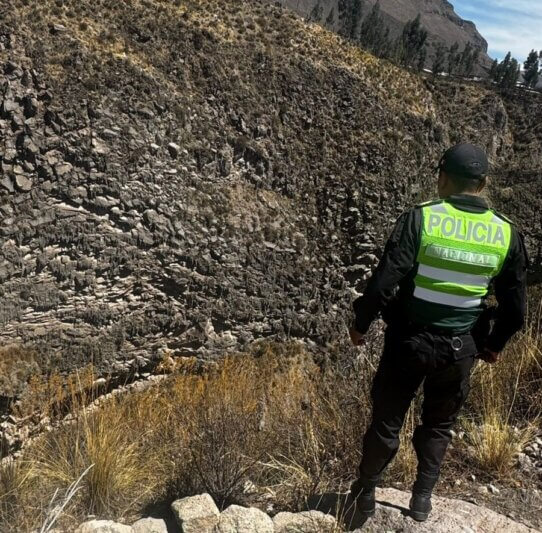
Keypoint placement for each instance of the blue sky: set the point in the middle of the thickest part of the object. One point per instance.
(514, 25)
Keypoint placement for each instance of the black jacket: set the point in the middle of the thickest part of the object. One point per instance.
(397, 268)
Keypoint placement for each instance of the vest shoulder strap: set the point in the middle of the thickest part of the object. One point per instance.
(430, 202)
(504, 217)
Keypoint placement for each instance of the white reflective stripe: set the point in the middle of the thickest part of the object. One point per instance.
(446, 299)
(453, 277)
(438, 208)
(461, 256)
(496, 220)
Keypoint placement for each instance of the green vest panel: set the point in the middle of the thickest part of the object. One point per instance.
(460, 253)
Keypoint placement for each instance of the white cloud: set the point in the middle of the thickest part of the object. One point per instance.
(530, 7)
(502, 40)
(507, 26)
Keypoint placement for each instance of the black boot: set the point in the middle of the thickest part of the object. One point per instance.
(420, 506)
(357, 507)
(365, 501)
(420, 503)
(363, 494)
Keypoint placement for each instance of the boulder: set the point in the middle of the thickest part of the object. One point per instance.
(305, 522)
(149, 525)
(103, 526)
(23, 183)
(196, 514)
(236, 519)
(448, 516)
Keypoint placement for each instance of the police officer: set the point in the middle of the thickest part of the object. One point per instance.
(430, 286)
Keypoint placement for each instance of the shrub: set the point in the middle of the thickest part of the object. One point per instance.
(123, 469)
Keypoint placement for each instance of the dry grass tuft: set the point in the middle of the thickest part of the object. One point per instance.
(495, 443)
(15, 485)
(120, 476)
(56, 394)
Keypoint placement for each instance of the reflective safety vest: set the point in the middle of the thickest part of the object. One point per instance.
(460, 253)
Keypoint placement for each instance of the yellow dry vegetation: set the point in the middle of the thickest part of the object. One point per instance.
(87, 32)
(204, 431)
(55, 393)
(507, 403)
(271, 416)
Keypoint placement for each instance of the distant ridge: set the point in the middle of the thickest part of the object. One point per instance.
(437, 16)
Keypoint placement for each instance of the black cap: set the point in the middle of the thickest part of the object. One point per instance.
(465, 161)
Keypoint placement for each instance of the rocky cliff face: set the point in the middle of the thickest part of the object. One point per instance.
(438, 17)
(200, 175)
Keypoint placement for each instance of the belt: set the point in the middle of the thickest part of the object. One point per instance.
(413, 327)
(455, 337)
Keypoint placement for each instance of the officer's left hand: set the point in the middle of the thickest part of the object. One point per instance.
(357, 338)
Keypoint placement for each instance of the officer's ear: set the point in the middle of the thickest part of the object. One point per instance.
(443, 180)
(482, 185)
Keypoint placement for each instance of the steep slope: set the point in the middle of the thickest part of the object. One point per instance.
(437, 16)
(199, 174)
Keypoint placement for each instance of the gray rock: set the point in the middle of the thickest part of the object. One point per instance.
(149, 525)
(196, 514)
(109, 134)
(524, 461)
(236, 519)
(151, 217)
(10, 155)
(9, 107)
(7, 183)
(100, 201)
(99, 147)
(63, 169)
(58, 28)
(146, 112)
(305, 522)
(30, 106)
(493, 489)
(23, 183)
(103, 526)
(448, 516)
(173, 149)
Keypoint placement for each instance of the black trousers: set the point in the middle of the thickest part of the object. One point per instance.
(443, 363)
